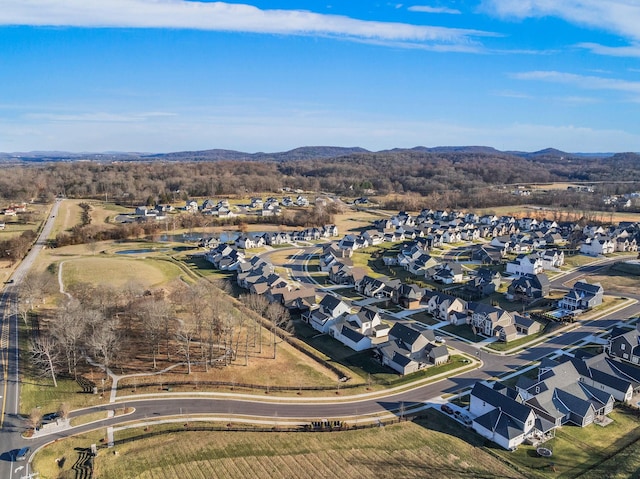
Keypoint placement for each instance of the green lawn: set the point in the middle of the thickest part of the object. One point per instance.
(532, 338)
(577, 450)
(424, 317)
(39, 393)
(464, 331)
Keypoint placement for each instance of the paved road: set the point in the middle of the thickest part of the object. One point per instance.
(10, 424)
(315, 409)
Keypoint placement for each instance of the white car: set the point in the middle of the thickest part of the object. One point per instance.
(440, 339)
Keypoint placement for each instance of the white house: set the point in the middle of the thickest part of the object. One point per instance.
(525, 264)
(597, 246)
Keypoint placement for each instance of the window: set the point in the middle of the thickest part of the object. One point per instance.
(622, 346)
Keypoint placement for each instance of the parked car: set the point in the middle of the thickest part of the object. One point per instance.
(22, 454)
(440, 339)
(52, 416)
(446, 408)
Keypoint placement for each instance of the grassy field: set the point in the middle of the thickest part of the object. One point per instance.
(577, 450)
(117, 272)
(354, 221)
(432, 447)
(39, 393)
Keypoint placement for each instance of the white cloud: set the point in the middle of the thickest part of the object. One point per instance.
(219, 16)
(427, 9)
(618, 16)
(632, 50)
(99, 117)
(586, 82)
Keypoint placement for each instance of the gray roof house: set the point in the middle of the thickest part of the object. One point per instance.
(624, 344)
(485, 319)
(328, 311)
(499, 417)
(560, 396)
(409, 350)
(582, 296)
(528, 287)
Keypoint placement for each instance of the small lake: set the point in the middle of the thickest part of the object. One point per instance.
(225, 237)
(142, 251)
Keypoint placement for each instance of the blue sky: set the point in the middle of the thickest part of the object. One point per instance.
(172, 75)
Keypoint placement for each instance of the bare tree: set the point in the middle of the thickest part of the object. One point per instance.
(64, 409)
(259, 304)
(105, 342)
(279, 317)
(35, 418)
(68, 329)
(155, 315)
(33, 290)
(185, 336)
(45, 357)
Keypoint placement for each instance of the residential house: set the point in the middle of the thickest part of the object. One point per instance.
(624, 344)
(525, 325)
(487, 255)
(560, 396)
(342, 272)
(381, 287)
(484, 283)
(529, 287)
(326, 313)
(409, 350)
(582, 296)
(525, 264)
(488, 320)
(551, 258)
(626, 244)
(602, 372)
(361, 330)
(248, 241)
(499, 417)
(408, 296)
(599, 245)
(448, 273)
(225, 257)
(444, 307)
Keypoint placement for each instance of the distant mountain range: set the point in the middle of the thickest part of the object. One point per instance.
(302, 153)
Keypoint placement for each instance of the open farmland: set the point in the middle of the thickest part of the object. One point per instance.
(410, 450)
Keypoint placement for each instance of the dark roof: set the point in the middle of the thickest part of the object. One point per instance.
(401, 360)
(501, 423)
(495, 398)
(588, 288)
(329, 302)
(436, 352)
(410, 335)
(351, 334)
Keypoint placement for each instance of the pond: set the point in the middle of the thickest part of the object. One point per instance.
(225, 237)
(142, 251)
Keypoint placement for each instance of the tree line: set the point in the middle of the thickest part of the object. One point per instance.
(195, 324)
(455, 179)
